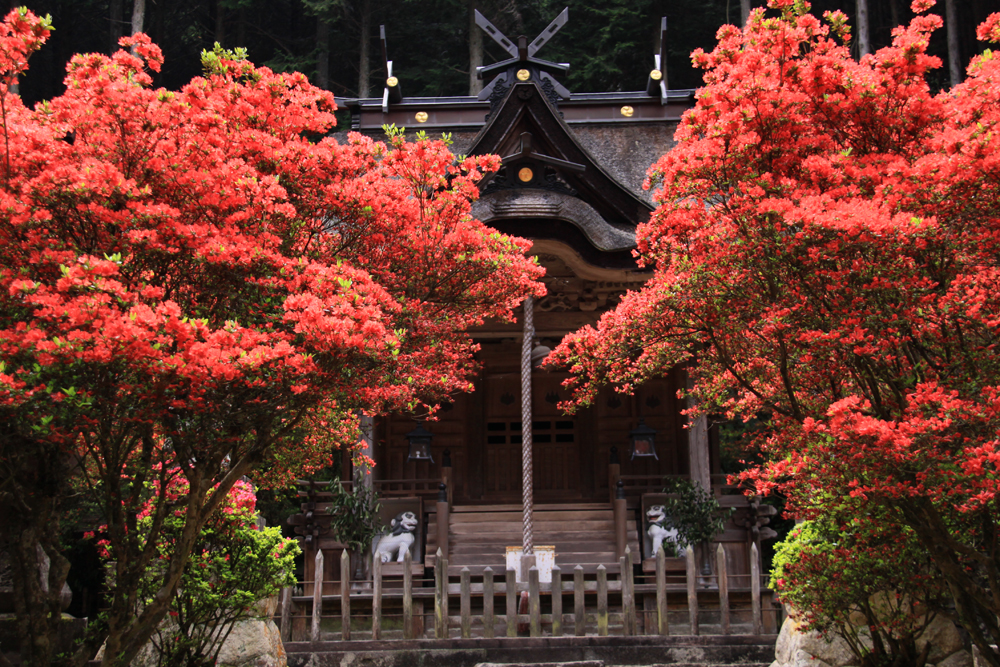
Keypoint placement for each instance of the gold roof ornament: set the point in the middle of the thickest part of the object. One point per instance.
(627, 111)
(392, 82)
(655, 75)
(421, 116)
(523, 75)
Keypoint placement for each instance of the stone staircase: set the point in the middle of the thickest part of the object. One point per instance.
(590, 651)
(601, 663)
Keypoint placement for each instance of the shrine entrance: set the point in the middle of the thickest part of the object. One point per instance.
(557, 444)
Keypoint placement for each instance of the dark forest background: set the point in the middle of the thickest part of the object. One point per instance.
(609, 44)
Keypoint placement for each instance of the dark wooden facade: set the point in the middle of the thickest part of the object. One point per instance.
(573, 167)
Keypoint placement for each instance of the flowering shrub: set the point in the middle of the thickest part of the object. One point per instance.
(233, 566)
(824, 253)
(865, 581)
(203, 279)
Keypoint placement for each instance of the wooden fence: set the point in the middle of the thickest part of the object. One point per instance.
(614, 602)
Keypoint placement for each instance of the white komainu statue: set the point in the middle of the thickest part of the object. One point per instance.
(398, 539)
(660, 529)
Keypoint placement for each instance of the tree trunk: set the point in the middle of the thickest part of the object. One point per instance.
(30, 489)
(954, 53)
(220, 23)
(745, 10)
(138, 15)
(322, 53)
(115, 21)
(475, 49)
(864, 32)
(364, 72)
(894, 15)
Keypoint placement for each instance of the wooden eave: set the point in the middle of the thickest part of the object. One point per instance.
(466, 113)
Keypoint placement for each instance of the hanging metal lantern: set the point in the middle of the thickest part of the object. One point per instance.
(420, 444)
(643, 440)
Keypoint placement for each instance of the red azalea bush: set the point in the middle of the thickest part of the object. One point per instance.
(824, 256)
(203, 279)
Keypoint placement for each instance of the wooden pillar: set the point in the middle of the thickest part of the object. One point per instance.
(511, 585)
(621, 519)
(408, 595)
(556, 601)
(443, 527)
(662, 625)
(488, 603)
(376, 598)
(692, 582)
(625, 566)
(317, 611)
(446, 475)
(633, 622)
(720, 567)
(701, 471)
(755, 589)
(534, 602)
(602, 601)
(466, 603)
(441, 597)
(579, 612)
(345, 595)
(286, 614)
(614, 473)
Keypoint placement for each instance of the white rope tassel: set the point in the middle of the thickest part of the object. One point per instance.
(526, 465)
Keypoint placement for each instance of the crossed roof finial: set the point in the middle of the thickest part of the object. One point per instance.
(523, 54)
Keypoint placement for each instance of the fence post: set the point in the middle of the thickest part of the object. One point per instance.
(692, 580)
(441, 596)
(534, 602)
(556, 601)
(755, 588)
(345, 594)
(633, 618)
(579, 613)
(602, 601)
(626, 603)
(488, 603)
(286, 613)
(466, 603)
(511, 585)
(662, 624)
(376, 597)
(720, 567)
(317, 615)
(407, 595)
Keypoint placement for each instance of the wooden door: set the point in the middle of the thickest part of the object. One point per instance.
(556, 443)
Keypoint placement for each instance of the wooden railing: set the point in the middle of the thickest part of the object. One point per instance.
(607, 601)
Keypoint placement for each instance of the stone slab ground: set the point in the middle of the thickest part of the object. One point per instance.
(716, 651)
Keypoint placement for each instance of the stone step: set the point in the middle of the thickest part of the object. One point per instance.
(599, 663)
(704, 651)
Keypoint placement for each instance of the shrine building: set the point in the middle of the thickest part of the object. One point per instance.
(573, 166)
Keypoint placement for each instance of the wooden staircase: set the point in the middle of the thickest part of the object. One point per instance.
(478, 536)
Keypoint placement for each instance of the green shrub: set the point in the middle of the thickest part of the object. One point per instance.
(871, 585)
(694, 512)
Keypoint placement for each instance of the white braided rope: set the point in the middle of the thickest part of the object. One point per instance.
(526, 463)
